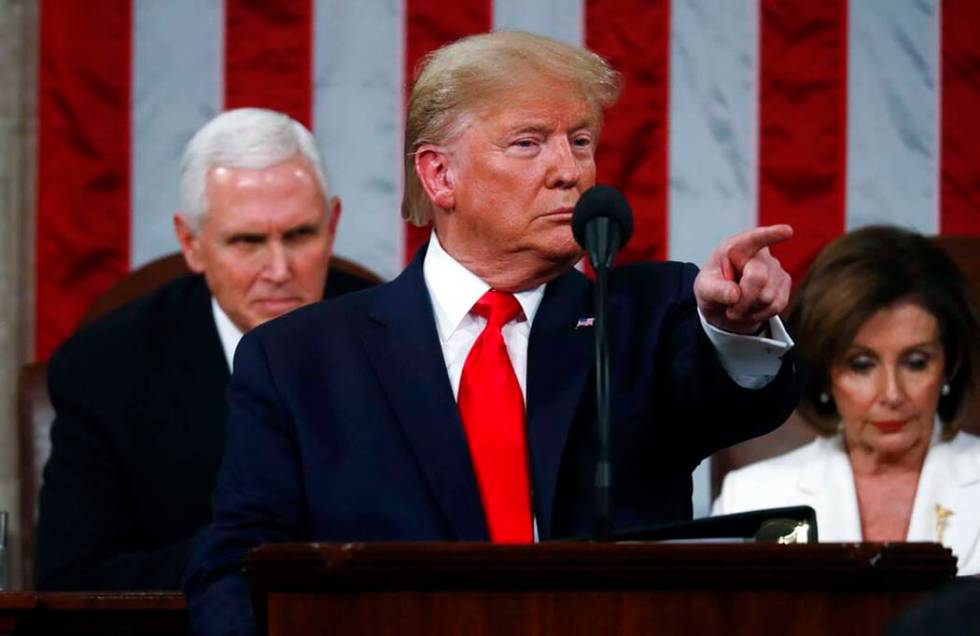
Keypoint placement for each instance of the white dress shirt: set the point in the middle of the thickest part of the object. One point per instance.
(751, 361)
(228, 333)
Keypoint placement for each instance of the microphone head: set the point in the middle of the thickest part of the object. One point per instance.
(602, 201)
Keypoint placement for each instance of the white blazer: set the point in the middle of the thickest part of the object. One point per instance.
(819, 475)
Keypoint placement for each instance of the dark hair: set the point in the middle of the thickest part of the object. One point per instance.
(861, 273)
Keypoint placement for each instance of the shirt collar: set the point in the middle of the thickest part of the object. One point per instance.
(228, 333)
(454, 290)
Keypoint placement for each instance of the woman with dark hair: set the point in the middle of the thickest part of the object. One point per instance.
(888, 343)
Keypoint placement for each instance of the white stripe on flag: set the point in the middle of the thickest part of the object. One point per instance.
(177, 87)
(713, 146)
(357, 114)
(559, 19)
(712, 140)
(893, 84)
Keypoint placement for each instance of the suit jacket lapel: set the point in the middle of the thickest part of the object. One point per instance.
(201, 369)
(559, 361)
(827, 482)
(401, 341)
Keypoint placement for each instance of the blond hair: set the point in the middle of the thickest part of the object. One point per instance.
(455, 80)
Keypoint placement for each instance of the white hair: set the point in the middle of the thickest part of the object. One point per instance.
(253, 138)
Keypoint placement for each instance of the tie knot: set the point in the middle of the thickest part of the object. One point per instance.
(497, 307)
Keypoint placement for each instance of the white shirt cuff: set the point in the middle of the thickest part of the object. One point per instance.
(750, 361)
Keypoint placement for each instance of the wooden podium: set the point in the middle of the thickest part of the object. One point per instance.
(590, 589)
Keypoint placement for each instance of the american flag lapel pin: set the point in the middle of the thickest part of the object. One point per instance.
(584, 322)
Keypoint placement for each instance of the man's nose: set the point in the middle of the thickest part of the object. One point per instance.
(277, 267)
(566, 170)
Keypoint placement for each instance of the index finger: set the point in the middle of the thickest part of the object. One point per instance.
(744, 246)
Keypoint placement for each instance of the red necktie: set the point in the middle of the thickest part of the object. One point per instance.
(492, 408)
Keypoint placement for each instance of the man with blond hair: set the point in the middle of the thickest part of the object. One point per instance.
(139, 395)
(458, 402)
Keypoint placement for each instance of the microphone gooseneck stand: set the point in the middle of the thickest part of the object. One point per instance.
(602, 224)
(605, 233)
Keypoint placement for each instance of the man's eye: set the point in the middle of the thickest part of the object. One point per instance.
(246, 239)
(299, 233)
(582, 142)
(525, 143)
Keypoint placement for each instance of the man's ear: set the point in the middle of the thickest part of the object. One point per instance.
(432, 165)
(333, 214)
(189, 243)
(333, 218)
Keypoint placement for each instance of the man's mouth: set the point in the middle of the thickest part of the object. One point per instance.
(277, 304)
(561, 213)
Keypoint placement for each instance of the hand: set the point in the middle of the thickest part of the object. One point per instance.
(742, 285)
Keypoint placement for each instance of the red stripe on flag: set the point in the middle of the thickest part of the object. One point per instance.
(960, 136)
(428, 25)
(803, 124)
(635, 37)
(82, 232)
(268, 56)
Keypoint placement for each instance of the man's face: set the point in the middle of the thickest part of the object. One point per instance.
(264, 244)
(516, 172)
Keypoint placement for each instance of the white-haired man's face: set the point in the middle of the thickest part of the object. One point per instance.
(265, 242)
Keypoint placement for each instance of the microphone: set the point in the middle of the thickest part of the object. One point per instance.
(602, 223)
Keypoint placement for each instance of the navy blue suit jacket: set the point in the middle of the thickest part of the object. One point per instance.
(343, 424)
(137, 441)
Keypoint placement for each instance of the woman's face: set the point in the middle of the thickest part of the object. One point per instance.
(887, 385)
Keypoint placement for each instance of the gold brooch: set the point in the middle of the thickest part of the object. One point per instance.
(942, 516)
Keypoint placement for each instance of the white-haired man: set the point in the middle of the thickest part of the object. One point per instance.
(139, 395)
(456, 402)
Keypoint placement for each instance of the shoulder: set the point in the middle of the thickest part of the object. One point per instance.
(761, 485)
(789, 462)
(329, 325)
(964, 450)
(322, 338)
(654, 286)
(147, 321)
(340, 282)
(671, 274)
(336, 311)
(965, 442)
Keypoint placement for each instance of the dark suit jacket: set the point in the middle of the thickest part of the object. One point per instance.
(343, 424)
(137, 441)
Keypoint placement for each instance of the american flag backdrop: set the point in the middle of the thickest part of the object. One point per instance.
(827, 114)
